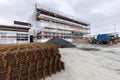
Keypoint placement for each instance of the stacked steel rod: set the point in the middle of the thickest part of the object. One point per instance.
(32, 61)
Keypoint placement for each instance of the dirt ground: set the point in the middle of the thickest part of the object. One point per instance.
(90, 62)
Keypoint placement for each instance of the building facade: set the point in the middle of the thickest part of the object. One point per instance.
(54, 24)
(49, 24)
(13, 34)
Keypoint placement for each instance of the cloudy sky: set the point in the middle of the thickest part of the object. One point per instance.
(103, 15)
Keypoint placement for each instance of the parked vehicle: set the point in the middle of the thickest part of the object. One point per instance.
(105, 39)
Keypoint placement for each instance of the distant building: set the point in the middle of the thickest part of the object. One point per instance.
(54, 24)
(13, 34)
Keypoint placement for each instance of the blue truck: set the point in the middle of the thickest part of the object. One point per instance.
(103, 39)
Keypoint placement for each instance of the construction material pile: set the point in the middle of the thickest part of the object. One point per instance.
(61, 43)
(32, 61)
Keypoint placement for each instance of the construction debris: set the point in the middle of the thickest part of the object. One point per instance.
(32, 61)
(61, 43)
(81, 41)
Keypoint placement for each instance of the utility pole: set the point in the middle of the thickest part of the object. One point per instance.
(116, 35)
(114, 28)
(35, 14)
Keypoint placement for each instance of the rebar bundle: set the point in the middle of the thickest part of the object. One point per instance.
(32, 61)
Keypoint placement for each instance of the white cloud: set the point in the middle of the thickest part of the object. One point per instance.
(3, 1)
(107, 8)
(3, 21)
(102, 14)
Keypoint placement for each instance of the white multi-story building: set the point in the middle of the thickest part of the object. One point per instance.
(13, 34)
(54, 24)
(47, 24)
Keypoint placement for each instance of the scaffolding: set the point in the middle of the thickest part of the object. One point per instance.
(59, 25)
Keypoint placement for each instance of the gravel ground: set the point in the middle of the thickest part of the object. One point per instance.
(92, 64)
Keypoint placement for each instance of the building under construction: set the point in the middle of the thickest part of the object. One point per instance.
(55, 24)
(50, 24)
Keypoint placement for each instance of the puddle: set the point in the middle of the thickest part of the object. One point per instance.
(118, 71)
(89, 49)
(111, 51)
